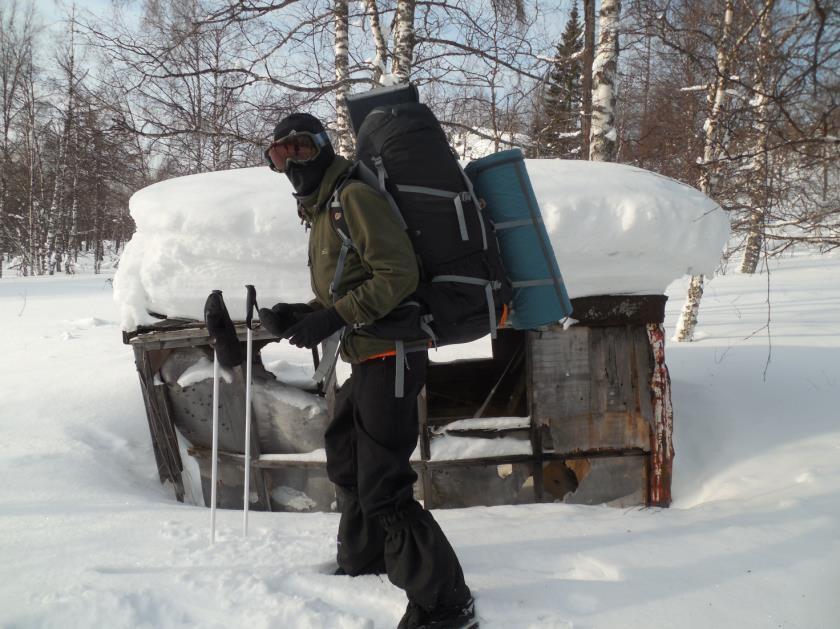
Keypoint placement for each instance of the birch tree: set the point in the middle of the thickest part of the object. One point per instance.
(587, 58)
(603, 135)
(759, 167)
(404, 40)
(711, 149)
(342, 75)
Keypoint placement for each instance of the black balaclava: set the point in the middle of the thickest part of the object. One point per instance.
(306, 177)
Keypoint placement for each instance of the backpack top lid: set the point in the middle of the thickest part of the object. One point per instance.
(360, 105)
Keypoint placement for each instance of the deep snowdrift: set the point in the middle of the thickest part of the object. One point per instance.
(89, 538)
(614, 228)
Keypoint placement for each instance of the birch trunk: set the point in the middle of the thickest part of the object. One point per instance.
(380, 61)
(586, 79)
(603, 135)
(34, 253)
(342, 76)
(759, 184)
(404, 40)
(708, 169)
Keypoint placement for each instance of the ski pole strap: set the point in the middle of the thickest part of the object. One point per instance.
(250, 305)
(489, 287)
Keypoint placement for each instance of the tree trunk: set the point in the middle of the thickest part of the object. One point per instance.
(342, 75)
(709, 166)
(404, 40)
(380, 61)
(586, 78)
(688, 317)
(603, 135)
(759, 179)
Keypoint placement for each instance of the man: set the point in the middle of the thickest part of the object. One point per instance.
(374, 430)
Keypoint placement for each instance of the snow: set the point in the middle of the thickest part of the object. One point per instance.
(614, 228)
(452, 448)
(489, 423)
(318, 456)
(90, 538)
(292, 498)
(203, 370)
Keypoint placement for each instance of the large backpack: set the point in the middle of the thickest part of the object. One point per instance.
(402, 152)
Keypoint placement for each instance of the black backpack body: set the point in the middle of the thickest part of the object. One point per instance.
(403, 152)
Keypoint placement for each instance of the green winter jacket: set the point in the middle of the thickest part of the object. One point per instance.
(380, 274)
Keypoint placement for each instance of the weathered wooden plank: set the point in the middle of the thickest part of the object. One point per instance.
(559, 377)
(160, 460)
(618, 348)
(164, 442)
(593, 404)
(164, 411)
(194, 336)
(644, 364)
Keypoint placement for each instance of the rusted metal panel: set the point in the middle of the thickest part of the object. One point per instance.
(480, 484)
(662, 445)
(616, 481)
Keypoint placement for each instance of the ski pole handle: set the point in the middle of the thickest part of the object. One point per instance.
(250, 305)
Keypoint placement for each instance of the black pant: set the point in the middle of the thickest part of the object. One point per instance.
(369, 441)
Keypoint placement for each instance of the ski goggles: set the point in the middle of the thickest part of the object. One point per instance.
(298, 146)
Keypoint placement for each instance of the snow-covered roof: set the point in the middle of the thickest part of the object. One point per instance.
(615, 229)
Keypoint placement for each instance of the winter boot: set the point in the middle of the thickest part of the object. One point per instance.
(222, 331)
(462, 617)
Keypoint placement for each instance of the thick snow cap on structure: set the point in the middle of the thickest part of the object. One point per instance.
(615, 230)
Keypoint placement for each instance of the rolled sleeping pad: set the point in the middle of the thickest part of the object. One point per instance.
(539, 294)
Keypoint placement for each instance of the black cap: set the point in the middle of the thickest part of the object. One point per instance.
(298, 122)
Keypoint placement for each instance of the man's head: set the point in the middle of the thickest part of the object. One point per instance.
(301, 150)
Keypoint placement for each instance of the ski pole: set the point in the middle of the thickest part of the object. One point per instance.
(214, 464)
(250, 305)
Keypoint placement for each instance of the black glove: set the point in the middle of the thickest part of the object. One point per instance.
(222, 332)
(282, 316)
(314, 328)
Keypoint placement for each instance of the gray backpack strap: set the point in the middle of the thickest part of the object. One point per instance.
(339, 223)
(399, 370)
(456, 197)
(376, 180)
(489, 287)
(471, 191)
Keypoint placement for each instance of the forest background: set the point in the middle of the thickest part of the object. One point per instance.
(736, 97)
